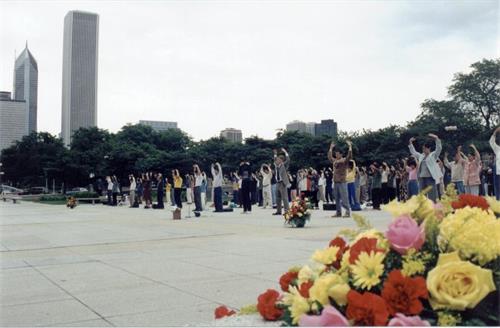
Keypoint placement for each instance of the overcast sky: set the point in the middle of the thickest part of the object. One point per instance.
(256, 65)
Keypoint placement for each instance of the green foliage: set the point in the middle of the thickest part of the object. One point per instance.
(473, 108)
(52, 198)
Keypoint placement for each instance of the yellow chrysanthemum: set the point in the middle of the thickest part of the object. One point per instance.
(310, 273)
(418, 207)
(298, 304)
(329, 285)
(494, 204)
(413, 267)
(368, 269)
(448, 320)
(473, 232)
(326, 256)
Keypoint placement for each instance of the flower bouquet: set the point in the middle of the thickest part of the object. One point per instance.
(71, 202)
(435, 264)
(298, 213)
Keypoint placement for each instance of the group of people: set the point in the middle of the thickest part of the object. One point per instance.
(344, 183)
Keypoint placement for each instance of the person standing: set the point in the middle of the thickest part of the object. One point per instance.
(267, 175)
(281, 163)
(321, 186)
(139, 191)
(198, 181)
(363, 185)
(340, 165)
(236, 188)
(147, 190)
(116, 190)
(410, 167)
(203, 190)
(351, 185)
(109, 190)
(473, 167)
(217, 185)
(329, 185)
(457, 168)
(376, 186)
(160, 192)
(168, 192)
(245, 174)
(177, 188)
(429, 173)
(132, 187)
(188, 184)
(496, 168)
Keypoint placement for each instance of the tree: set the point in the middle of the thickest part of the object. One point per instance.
(478, 92)
(37, 157)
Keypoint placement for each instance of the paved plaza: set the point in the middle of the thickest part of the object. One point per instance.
(115, 266)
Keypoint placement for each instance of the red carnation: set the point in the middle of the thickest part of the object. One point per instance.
(304, 288)
(366, 309)
(402, 294)
(471, 201)
(365, 244)
(266, 304)
(222, 311)
(288, 279)
(342, 245)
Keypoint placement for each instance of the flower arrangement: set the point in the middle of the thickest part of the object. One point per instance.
(298, 213)
(434, 265)
(71, 203)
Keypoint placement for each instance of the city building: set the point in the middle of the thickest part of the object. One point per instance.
(232, 135)
(26, 85)
(296, 126)
(79, 79)
(159, 125)
(311, 128)
(326, 127)
(13, 121)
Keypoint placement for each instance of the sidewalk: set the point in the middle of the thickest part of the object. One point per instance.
(115, 266)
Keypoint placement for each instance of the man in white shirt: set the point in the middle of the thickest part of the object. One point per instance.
(496, 173)
(429, 172)
(267, 175)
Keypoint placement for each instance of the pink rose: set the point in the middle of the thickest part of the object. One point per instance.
(405, 233)
(404, 321)
(330, 317)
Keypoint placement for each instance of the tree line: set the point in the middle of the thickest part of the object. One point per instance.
(473, 106)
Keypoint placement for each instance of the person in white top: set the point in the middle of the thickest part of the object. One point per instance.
(457, 168)
(267, 175)
(429, 172)
(198, 180)
(496, 173)
(217, 185)
(321, 186)
(132, 187)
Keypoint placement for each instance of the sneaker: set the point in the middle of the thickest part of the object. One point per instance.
(277, 213)
(337, 215)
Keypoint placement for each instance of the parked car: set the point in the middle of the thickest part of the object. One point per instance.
(76, 190)
(37, 191)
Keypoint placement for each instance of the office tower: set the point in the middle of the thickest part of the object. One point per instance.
(13, 120)
(79, 80)
(326, 127)
(159, 125)
(311, 128)
(232, 135)
(297, 126)
(26, 85)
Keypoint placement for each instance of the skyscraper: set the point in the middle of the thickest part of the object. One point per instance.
(79, 80)
(13, 120)
(232, 135)
(26, 85)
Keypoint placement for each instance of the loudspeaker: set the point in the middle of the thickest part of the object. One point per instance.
(329, 207)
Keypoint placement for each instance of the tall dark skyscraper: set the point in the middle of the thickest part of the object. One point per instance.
(26, 86)
(79, 80)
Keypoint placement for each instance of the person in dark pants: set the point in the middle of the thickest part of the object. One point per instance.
(160, 194)
(109, 190)
(217, 184)
(245, 173)
(198, 180)
(116, 190)
(177, 188)
(329, 186)
(376, 186)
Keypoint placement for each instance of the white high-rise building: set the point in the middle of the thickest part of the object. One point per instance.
(159, 125)
(233, 135)
(79, 80)
(297, 126)
(13, 120)
(26, 85)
